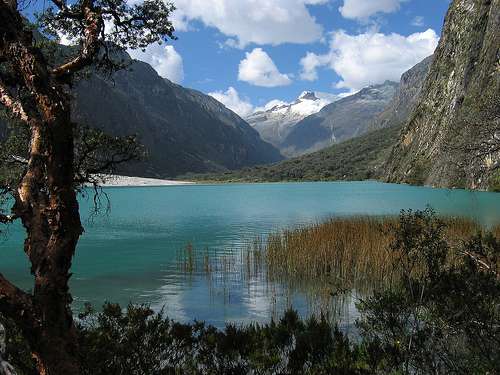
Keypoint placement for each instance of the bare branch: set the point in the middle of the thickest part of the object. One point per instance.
(7, 219)
(14, 105)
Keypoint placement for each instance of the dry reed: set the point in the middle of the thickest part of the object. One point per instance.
(326, 259)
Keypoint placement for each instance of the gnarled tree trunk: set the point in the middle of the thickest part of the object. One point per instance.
(47, 205)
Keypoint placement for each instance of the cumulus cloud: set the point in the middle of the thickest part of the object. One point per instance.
(363, 9)
(260, 70)
(253, 21)
(232, 100)
(164, 59)
(370, 58)
(310, 63)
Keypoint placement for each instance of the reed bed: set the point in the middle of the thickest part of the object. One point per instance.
(327, 262)
(348, 253)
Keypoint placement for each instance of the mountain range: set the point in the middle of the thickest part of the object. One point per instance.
(182, 130)
(341, 120)
(438, 126)
(275, 122)
(442, 126)
(358, 158)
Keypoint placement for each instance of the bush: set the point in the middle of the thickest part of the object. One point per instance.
(139, 341)
(444, 316)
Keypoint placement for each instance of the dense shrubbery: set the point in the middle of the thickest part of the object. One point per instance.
(360, 158)
(442, 318)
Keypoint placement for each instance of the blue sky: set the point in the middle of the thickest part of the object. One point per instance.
(249, 52)
(211, 64)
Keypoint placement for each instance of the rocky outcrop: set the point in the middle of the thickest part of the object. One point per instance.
(406, 97)
(452, 137)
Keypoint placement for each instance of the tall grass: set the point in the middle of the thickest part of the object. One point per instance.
(323, 261)
(350, 253)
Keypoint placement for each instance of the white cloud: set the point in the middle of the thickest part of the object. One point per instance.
(253, 21)
(369, 58)
(260, 70)
(164, 59)
(231, 99)
(310, 63)
(363, 9)
(418, 21)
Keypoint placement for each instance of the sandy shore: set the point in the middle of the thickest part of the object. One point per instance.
(126, 181)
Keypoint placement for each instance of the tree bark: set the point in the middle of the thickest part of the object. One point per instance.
(47, 205)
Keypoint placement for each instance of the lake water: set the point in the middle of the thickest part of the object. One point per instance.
(131, 253)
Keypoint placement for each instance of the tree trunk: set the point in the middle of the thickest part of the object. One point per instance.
(47, 205)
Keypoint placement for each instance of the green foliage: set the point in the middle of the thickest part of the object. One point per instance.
(443, 318)
(134, 26)
(360, 158)
(495, 183)
(139, 341)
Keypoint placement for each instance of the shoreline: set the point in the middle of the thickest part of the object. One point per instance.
(128, 181)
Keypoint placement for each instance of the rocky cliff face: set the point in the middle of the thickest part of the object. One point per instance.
(339, 121)
(452, 137)
(405, 99)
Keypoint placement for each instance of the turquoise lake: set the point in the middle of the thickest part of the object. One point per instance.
(131, 253)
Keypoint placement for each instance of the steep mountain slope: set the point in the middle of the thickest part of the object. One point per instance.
(339, 121)
(452, 138)
(405, 99)
(183, 130)
(359, 158)
(275, 123)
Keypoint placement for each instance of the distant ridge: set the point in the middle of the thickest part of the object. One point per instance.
(344, 119)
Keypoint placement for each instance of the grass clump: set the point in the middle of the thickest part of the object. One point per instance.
(351, 252)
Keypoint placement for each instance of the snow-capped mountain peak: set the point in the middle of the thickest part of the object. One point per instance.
(276, 119)
(308, 95)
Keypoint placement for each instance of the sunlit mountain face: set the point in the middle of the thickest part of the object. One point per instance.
(276, 120)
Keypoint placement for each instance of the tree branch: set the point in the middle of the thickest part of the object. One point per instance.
(7, 219)
(13, 104)
(90, 48)
(16, 304)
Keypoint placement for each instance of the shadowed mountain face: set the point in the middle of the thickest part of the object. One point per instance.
(405, 99)
(452, 137)
(339, 121)
(183, 130)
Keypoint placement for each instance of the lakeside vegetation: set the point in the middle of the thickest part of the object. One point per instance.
(440, 316)
(360, 158)
(339, 254)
